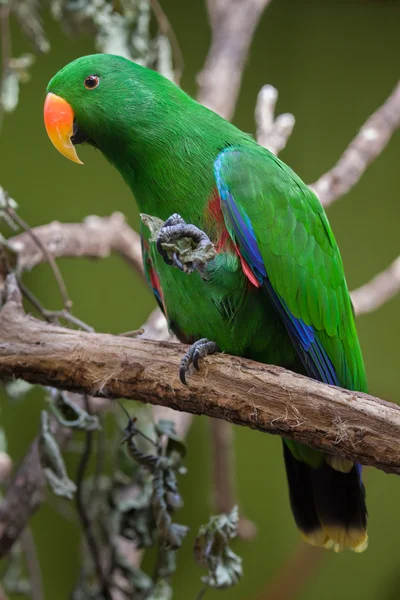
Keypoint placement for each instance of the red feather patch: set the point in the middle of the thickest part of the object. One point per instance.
(213, 209)
(155, 281)
(247, 270)
(224, 243)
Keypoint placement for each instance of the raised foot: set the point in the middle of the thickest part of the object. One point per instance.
(199, 349)
(184, 246)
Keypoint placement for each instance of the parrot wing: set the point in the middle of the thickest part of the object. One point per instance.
(286, 244)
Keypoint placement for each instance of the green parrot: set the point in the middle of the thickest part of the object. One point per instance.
(275, 291)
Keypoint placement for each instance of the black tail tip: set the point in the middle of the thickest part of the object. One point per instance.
(328, 504)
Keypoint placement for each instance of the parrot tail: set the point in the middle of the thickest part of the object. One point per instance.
(328, 502)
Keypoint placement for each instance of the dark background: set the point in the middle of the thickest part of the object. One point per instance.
(333, 64)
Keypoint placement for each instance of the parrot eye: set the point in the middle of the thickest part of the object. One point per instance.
(91, 82)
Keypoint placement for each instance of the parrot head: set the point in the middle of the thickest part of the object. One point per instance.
(106, 101)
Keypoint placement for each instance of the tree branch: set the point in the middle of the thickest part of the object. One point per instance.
(224, 477)
(96, 237)
(233, 23)
(355, 425)
(32, 564)
(379, 290)
(17, 507)
(272, 132)
(370, 141)
(26, 490)
(297, 570)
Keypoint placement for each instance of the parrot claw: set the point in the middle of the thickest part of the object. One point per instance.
(199, 349)
(174, 229)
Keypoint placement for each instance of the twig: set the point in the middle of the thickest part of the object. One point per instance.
(96, 237)
(379, 290)
(83, 516)
(52, 316)
(202, 592)
(272, 133)
(167, 29)
(32, 564)
(224, 478)
(30, 296)
(233, 23)
(6, 48)
(356, 426)
(365, 147)
(224, 482)
(6, 466)
(294, 574)
(26, 491)
(133, 333)
(100, 452)
(46, 254)
(22, 497)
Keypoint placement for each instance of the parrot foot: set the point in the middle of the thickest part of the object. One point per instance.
(199, 349)
(189, 256)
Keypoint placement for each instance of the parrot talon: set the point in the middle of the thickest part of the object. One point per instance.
(198, 350)
(172, 221)
(174, 229)
(177, 263)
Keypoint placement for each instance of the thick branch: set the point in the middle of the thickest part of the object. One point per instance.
(357, 426)
(233, 23)
(366, 146)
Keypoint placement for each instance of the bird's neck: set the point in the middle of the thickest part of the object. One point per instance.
(170, 180)
(168, 163)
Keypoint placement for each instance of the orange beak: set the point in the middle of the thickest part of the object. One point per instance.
(59, 122)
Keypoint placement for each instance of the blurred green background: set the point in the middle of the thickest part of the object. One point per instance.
(333, 63)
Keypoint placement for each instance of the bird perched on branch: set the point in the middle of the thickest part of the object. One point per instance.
(274, 289)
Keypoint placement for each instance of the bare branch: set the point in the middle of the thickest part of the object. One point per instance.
(6, 465)
(224, 479)
(86, 522)
(96, 237)
(23, 496)
(233, 23)
(356, 426)
(379, 290)
(272, 133)
(6, 51)
(366, 146)
(2, 594)
(167, 29)
(224, 484)
(32, 564)
(47, 255)
(294, 574)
